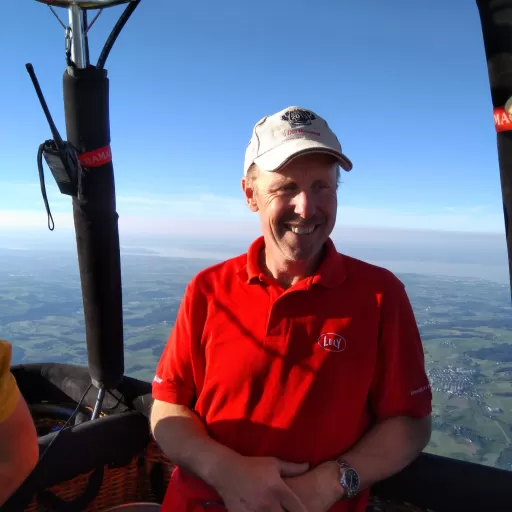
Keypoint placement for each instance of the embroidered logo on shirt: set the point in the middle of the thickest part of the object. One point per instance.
(420, 390)
(157, 379)
(332, 342)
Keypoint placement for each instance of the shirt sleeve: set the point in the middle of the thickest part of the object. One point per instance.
(9, 392)
(400, 386)
(175, 380)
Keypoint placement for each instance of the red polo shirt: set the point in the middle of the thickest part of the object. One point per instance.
(299, 374)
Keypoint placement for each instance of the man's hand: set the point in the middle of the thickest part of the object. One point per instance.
(319, 488)
(255, 484)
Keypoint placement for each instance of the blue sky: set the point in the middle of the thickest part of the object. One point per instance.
(403, 84)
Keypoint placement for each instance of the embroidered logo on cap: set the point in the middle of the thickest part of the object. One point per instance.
(332, 342)
(298, 117)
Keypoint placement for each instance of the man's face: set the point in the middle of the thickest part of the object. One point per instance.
(297, 205)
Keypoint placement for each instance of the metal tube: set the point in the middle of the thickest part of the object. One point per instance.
(85, 4)
(99, 403)
(78, 42)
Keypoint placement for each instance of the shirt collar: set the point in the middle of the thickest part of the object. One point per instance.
(330, 273)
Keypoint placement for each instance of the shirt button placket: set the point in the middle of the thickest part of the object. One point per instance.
(274, 325)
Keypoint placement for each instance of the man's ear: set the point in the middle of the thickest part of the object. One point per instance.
(249, 194)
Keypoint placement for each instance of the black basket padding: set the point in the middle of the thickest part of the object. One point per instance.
(57, 382)
(444, 484)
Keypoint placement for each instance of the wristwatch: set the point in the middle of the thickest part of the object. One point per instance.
(349, 478)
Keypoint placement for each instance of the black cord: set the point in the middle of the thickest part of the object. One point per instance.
(119, 400)
(65, 427)
(86, 39)
(43, 188)
(115, 32)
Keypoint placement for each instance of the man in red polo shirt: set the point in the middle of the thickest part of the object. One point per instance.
(294, 376)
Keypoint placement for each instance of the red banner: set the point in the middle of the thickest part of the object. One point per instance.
(502, 120)
(97, 158)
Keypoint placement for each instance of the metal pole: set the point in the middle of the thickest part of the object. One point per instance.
(99, 403)
(78, 41)
(86, 108)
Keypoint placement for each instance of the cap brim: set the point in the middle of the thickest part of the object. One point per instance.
(283, 154)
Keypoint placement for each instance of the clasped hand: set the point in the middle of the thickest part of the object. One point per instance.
(267, 484)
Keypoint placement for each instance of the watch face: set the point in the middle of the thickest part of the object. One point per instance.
(351, 479)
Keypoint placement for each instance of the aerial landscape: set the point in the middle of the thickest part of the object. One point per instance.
(465, 323)
(165, 148)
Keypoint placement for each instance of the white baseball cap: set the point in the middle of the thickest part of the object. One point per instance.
(294, 131)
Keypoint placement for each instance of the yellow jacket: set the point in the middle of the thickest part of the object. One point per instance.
(9, 392)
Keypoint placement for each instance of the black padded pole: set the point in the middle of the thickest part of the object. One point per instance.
(86, 103)
(496, 21)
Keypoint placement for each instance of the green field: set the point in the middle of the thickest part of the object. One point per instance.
(466, 327)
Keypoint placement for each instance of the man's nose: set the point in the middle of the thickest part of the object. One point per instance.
(304, 203)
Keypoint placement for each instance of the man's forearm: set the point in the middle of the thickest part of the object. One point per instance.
(383, 451)
(184, 439)
(388, 448)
